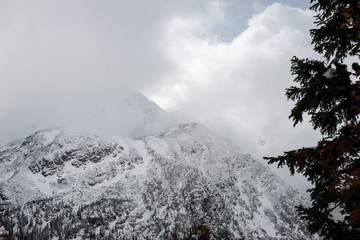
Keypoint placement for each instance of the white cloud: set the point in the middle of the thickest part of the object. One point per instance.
(238, 88)
(59, 57)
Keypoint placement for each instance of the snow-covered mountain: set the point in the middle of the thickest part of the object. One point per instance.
(119, 112)
(68, 185)
(132, 116)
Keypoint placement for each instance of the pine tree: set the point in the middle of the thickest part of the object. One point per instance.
(329, 91)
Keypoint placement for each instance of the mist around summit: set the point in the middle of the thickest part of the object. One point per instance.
(82, 155)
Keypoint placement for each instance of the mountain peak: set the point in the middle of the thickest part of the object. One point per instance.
(117, 112)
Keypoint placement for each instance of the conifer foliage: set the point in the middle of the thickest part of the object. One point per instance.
(329, 91)
(199, 232)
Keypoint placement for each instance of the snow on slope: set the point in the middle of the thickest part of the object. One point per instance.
(148, 187)
(118, 112)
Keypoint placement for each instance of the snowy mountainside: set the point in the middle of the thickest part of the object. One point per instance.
(149, 118)
(109, 111)
(76, 185)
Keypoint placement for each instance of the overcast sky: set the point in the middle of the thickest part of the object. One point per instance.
(225, 64)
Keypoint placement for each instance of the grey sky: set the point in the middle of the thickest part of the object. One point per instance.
(222, 63)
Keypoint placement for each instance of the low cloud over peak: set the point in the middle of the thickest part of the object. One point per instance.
(60, 59)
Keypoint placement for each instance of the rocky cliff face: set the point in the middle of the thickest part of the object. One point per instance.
(69, 185)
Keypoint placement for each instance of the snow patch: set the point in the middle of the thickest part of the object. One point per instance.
(330, 73)
(50, 135)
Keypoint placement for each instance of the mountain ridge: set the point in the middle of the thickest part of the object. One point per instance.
(146, 187)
